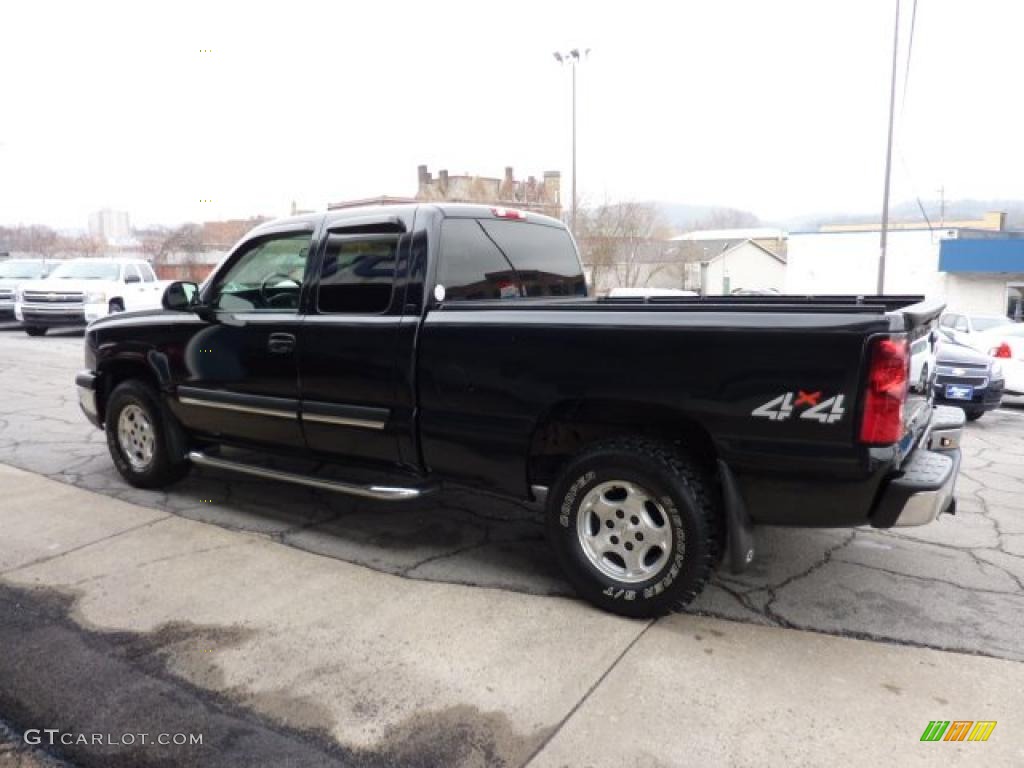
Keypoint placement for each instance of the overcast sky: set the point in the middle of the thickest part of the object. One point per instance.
(776, 107)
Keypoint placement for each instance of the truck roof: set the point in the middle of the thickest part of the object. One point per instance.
(401, 211)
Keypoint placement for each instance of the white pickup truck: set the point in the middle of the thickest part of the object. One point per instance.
(79, 291)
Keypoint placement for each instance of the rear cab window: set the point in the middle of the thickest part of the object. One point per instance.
(499, 259)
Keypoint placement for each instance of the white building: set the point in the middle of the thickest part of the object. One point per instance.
(971, 270)
(112, 227)
(745, 266)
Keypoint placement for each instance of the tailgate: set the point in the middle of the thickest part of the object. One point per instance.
(919, 322)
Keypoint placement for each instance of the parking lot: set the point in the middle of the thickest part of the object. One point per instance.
(478, 567)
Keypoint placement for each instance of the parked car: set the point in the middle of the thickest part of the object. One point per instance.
(79, 291)
(410, 346)
(922, 361)
(968, 379)
(1006, 344)
(14, 272)
(962, 327)
(755, 292)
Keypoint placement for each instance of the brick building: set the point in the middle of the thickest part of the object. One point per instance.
(532, 194)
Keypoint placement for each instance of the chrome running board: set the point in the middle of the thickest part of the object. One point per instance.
(378, 492)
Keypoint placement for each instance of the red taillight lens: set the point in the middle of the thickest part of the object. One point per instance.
(882, 420)
(1003, 350)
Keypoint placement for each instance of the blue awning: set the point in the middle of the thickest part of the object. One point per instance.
(982, 255)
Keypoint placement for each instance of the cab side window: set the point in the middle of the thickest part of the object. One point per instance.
(961, 324)
(131, 274)
(266, 277)
(358, 274)
(147, 273)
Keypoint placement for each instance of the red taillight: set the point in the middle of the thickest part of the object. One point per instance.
(1003, 350)
(882, 420)
(508, 213)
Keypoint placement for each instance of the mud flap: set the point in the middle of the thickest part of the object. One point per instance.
(739, 530)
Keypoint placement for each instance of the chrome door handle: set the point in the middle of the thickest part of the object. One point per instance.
(281, 343)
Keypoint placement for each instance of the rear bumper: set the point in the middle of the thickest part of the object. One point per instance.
(924, 487)
(85, 383)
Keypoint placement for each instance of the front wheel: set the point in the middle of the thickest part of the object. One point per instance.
(634, 525)
(137, 438)
(973, 415)
(35, 330)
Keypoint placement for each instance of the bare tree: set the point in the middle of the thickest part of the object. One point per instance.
(85, 246)
(158, 243)
(617, 240)
(35, 240)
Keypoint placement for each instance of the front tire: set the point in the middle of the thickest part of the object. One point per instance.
(973, 415)
(35, 330)
(137, 438)
(633, 523)
(115, 306)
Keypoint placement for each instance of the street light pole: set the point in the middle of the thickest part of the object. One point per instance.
(572, 58)
(888, 156)
(573, 224)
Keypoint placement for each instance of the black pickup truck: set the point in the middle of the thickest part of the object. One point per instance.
(399, 348)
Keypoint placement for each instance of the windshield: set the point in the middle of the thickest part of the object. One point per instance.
(27, 270)
(86, 270)
(985, 322)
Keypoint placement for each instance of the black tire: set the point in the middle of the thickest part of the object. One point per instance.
(973, 415)
(162, 468)
(687, 502)
(115, 305)
(35, 330)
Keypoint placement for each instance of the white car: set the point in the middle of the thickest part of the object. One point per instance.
(1006, 344)
(962, 326)
(922, 362)
(14, 272)
(79, 291)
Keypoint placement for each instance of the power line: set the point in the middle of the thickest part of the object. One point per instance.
(910, 53)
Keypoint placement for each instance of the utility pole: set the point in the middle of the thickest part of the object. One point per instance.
(572, 58)
(888, 155)
(942, 207)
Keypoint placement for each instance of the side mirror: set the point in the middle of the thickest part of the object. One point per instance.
(180, 296)
(132, 279)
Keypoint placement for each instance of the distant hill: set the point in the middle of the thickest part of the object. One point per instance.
(910, 211)
(685, 217)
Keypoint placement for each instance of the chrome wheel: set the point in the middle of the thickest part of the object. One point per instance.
(624, 532)
(135, 437)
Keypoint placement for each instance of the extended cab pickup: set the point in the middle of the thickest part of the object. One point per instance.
(395, 349)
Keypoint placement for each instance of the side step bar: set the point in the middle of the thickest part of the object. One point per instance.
(378, 492)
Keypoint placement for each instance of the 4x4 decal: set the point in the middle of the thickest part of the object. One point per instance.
(823, 411)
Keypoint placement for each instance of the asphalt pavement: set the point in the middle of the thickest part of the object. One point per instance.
(417, 622)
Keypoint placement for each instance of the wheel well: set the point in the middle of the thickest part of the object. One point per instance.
(118, 371)
(571, 426)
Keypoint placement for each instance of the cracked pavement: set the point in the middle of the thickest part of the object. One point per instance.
(957, 584)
